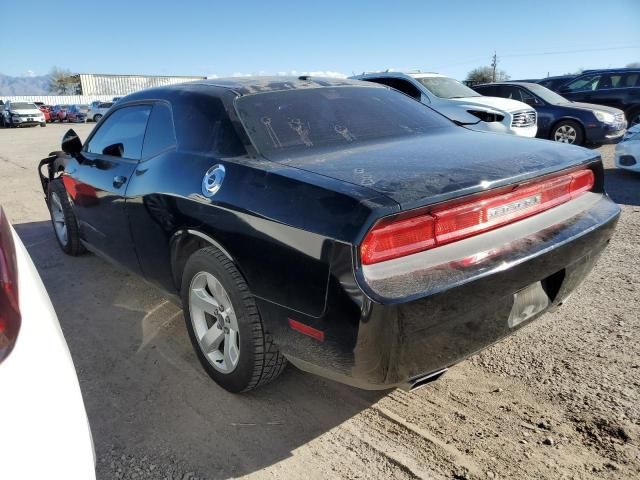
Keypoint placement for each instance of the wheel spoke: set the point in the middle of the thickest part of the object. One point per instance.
(230, 349)
(216, 289)
(201, 299)
(212, 339)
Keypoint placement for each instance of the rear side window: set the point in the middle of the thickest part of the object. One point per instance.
(203, 126)
(400, 85)
(160, 135)
(125, 129)
(489, 91)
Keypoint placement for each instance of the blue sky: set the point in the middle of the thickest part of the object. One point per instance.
(268, 36)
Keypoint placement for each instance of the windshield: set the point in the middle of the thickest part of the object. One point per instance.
(23, 106)
(311, 119)
(547, 95)
(445, 87)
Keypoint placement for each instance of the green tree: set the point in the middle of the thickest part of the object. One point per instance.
(62, 82)
(485, 75)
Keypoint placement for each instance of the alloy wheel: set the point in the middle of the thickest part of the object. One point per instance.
(565, 134)
(57, 214)
(214, 322)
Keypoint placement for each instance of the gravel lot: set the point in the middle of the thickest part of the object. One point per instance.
(560, 399)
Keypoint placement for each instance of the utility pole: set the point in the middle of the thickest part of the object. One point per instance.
(494, 64)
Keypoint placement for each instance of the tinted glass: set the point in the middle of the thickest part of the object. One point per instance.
(125, 126)
(507, 91)
(631, 80)
(589, 82)
(445, 87)
(203, 126)
(308, 119)
(400, 85)
(547, 95)
(159, 135)
(23, 106)
(489, 90)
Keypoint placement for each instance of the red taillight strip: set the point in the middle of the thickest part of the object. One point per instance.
(392, 238)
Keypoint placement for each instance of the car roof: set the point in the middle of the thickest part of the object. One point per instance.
(396, 73)
(611, 70)
(523, 84)
(251, 85)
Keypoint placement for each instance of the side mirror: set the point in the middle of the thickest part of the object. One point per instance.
(71, 144)
(564, 90)
(114, 150)
(531, 101)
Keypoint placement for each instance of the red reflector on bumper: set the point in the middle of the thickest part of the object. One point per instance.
(307, 330)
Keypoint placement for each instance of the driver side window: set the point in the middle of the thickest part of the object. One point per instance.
(583, 84)
(121, 134)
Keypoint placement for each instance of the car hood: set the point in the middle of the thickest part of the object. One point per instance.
(590, 107)
(504, 104)
(431, 168)
(26, 111)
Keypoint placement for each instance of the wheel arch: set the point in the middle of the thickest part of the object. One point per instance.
(186, 242)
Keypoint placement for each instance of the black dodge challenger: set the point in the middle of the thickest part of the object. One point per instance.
(335, 224)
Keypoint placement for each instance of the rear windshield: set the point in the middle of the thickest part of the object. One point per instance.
(317, 118)
(23, 106)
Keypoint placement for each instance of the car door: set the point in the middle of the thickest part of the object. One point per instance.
(98, 179)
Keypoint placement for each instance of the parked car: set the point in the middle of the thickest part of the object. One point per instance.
(618, 88)
(41, 398)
(45, 111)
(97, 111)
(22, 114)
(554, 83)
(59, 113)
(336, 224)
(76, 114)
(627, 154)
(460, 103)
(562, 120)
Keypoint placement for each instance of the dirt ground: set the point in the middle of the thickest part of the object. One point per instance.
(559, 399)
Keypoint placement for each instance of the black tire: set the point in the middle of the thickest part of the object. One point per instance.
(579, 133)
(259, 361)
(43, 124)
(633, 117)
(97, 117)
(72, 246)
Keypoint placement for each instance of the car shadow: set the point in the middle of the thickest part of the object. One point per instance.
(622, 186)
(144, 390)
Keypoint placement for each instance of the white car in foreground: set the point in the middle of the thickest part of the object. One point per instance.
(460, 103)
(627, 153)
(44, 431)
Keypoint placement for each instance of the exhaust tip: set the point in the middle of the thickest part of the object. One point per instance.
(419, 382)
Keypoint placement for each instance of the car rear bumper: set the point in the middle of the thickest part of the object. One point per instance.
(420, 316)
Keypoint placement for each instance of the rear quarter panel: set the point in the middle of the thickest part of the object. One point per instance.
(277, 223)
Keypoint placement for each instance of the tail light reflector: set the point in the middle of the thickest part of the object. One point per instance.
(397, 237)
(9, 306)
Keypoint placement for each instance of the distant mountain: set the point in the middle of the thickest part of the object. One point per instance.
(24, 85)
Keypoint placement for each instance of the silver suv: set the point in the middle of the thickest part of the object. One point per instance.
(461, 104)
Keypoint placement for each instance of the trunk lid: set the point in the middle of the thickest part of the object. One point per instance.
(431, 168)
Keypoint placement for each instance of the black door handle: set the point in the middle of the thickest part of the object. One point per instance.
(118, 181)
